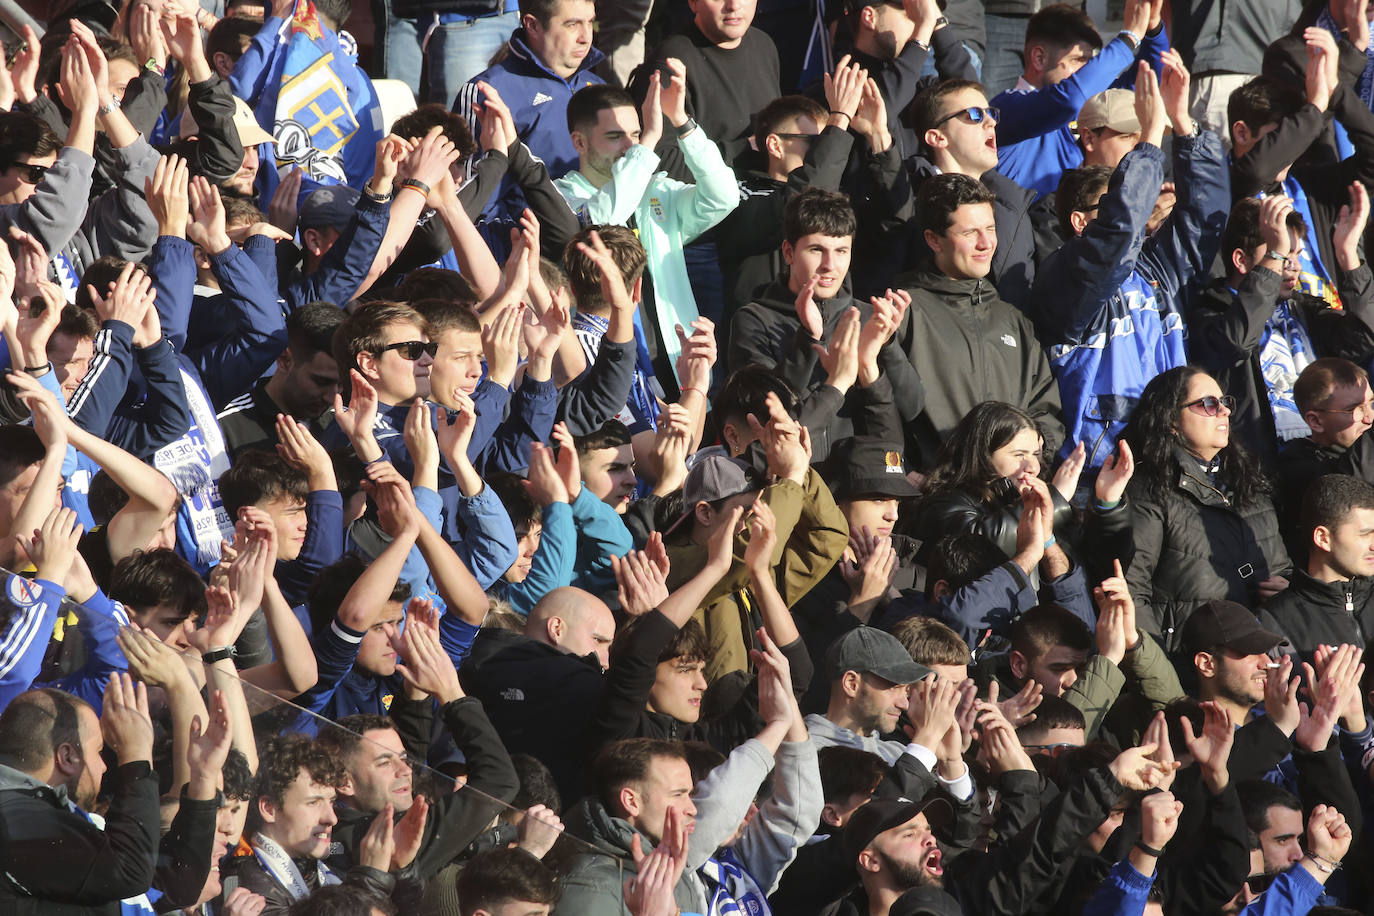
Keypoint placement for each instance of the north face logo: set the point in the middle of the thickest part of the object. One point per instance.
(515, 694)
(1009, 340)
(540, 98)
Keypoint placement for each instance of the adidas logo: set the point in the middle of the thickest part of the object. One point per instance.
(540, 98)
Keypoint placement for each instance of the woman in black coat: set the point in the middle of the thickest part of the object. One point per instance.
(990, 458)
(1198, 517)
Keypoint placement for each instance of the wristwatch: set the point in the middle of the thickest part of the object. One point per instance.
(219, 654)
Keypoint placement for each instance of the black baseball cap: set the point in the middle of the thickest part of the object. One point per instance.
(328, 207)
(868, 466)
(883, 814)
(1227, 625)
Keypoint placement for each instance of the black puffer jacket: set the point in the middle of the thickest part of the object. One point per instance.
(956, 511)
(1312, 613)
(1196, 545)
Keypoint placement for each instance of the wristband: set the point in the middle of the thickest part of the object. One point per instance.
(416, 184)
(107, 109)
(1324, 865)
(687, 388)
(41, 369)
(1050, 543)
(688, 126)
(379, 458)
(1106, 506)
(1131, 38)
(152, 64)
(843, 114)
(1148, 850)
(219, 654)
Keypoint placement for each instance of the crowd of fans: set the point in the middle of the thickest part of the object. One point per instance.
(723, 461)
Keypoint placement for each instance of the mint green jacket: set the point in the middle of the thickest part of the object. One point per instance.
(667, 214)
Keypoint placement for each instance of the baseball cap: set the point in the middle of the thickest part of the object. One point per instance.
(868, 466)
(925, 901)
(869, 650)
(1228, 625)
(882, 814)
(715, 477)
(251, 133)
(330, 206)
(1114, 108)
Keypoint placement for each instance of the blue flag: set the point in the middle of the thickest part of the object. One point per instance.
(326, 117)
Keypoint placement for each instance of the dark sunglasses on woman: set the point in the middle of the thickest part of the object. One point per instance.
(1211, 405)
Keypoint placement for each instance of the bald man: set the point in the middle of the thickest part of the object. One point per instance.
(573, 621)
(542, 688)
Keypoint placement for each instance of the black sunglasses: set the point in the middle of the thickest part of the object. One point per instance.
(975, 115)
(1211, 405)
(807, 137)
(33, 174)
(411, 349)
(1260, 883)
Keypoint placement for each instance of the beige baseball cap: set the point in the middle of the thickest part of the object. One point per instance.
(1113, 108)
(251, 133)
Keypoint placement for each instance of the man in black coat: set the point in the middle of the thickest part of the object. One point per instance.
(1331, 601)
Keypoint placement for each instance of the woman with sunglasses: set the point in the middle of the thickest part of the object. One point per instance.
(1197, 522)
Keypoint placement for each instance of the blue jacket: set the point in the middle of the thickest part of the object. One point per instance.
(1123, 892)
(240, 333)
(139, 418)
(1108, 305)
(344, 267)
(553, 565)
(32, 608)
(538, 100)
(1293, 893)
(1035, 144)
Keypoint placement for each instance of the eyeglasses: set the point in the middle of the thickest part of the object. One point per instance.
(807, 137)
(1211, 405)
(411, 349)
(975, 115)
(1050, 750)
(1366, 409)
(30, 173)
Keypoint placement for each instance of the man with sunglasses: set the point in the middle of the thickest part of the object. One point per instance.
(1257, 329)
(958, 133)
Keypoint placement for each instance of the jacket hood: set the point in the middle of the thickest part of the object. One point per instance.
(519, 47)
(590, 822)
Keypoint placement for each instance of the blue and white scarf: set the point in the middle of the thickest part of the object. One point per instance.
(641, 412)
(730, 889)
(1285, 349)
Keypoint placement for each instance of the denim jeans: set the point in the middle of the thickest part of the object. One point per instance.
(458, 51)
(1006, 51)
(396, 51)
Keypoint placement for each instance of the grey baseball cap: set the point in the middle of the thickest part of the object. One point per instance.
(869, 650)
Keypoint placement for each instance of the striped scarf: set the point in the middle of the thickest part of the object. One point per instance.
(730, 889)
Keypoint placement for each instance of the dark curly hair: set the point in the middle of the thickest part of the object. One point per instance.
(966, 457)
(283, 759)
(1152, 433)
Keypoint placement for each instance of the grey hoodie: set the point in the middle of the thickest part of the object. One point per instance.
(594, 884)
